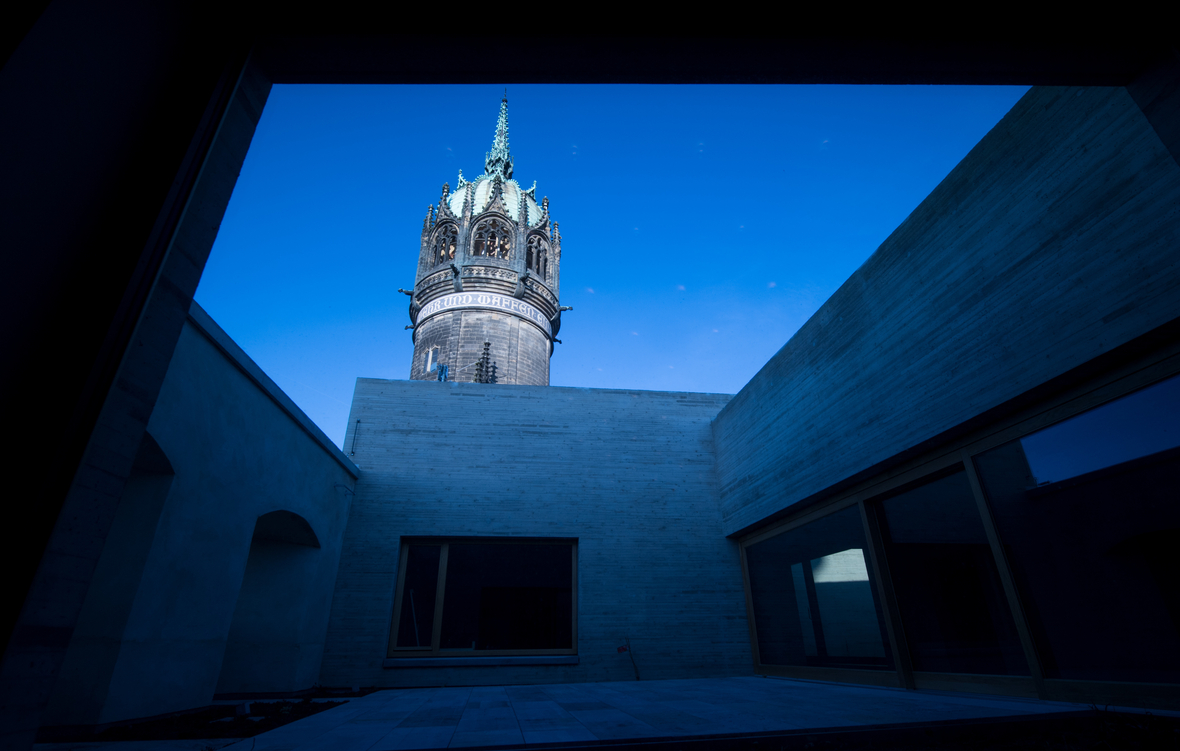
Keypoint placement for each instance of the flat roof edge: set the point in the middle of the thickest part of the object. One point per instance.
(205, 324)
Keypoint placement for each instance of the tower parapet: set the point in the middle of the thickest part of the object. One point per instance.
(488, 272)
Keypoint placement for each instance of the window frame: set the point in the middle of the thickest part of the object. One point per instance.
(394, 651)
(868, 493)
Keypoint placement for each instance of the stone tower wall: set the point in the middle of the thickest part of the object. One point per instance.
(488, 271)
(519, 349)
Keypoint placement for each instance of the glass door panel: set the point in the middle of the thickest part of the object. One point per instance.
(1089, 513)
(814, 599)
(953, 608)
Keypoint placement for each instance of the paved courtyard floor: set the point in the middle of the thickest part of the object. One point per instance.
(592, 712)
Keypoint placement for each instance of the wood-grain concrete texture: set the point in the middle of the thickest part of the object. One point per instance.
(1054, 241)
(627, 473)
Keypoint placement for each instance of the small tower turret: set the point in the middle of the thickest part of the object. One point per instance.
(485, 300)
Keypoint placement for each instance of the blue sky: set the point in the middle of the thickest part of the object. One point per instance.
(701, 225)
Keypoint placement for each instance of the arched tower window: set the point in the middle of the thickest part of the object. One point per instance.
(446, 241)
(537, 258)
(492, 239)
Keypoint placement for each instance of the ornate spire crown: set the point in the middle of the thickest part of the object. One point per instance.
(499, 162)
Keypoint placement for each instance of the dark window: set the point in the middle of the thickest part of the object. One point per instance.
(1140, 424)
(815, 602)
(419, 590)
(1089, 514)
(948, 589)
(496, 597)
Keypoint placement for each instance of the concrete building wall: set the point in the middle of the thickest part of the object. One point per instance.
(627, 473)
(1055, 240)
(226, 447)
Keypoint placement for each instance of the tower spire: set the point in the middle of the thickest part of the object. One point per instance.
(489, 261)
(499, 161)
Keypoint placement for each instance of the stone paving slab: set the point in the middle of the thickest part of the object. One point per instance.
(423, 718)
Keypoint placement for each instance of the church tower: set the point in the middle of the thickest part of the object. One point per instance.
(484, 306)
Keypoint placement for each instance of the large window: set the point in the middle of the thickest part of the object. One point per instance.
(814, 599)
(955, 615)
(485, 596)
(1089, 512)
(1038, 561)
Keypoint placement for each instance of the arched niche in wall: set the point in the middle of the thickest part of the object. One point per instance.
(285, 526)
(271, 646)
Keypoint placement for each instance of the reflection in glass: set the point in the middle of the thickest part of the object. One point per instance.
(814, 600)
(419, 589)
(1137, 425)
(1089, 516)
(953, 607)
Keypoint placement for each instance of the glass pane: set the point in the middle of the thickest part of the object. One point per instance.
(1094, 552)
(952, 603)
(508, 597)
(418, 591)
(814, 600)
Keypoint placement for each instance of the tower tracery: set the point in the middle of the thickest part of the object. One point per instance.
(492, 238)
(446, 244)
(487, 274)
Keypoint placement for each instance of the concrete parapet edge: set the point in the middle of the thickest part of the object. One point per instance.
(204, 323)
